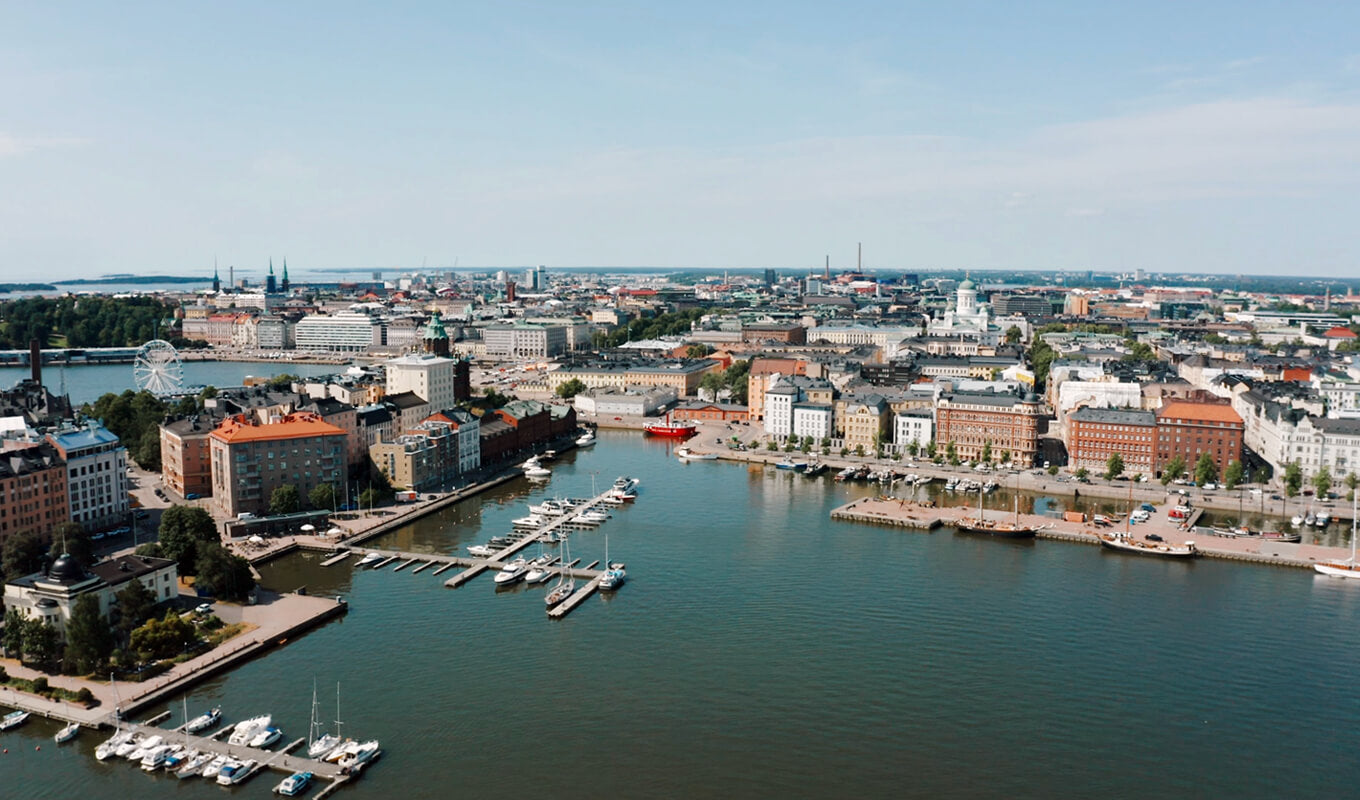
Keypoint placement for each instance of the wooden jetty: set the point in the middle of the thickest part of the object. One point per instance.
(266, 759)
(337, 558)
(577, 598)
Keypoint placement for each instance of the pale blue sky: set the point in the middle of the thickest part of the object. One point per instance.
(1170, 136)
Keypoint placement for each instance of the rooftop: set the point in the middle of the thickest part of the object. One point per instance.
(1199, 412)
(1115, 416)
(294, 426)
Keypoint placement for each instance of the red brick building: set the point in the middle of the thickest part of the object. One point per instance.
(1094, 434)
(1189, 430)
(972, 420)
(721, 412)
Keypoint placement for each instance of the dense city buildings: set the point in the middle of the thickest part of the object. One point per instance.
(50, 596)
(1189, 430)
(96, 474)
(33, 490)
(978, 422)
(1095, 434)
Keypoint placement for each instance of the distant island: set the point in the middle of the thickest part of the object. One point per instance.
(134, 279)
(27, 287)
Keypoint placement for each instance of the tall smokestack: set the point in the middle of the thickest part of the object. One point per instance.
(828, 268)
(859, 258)
(35, 360)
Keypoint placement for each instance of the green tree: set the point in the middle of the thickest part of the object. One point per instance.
(1173, 469)
(571, 388)
(1114, 467)
(72, 539)
(1052, 469)
(913, 448)
(859, 449)
(150, 550)
(182, 531)
(1082, 473)
(1206, 471)
(162, 638)
(1293, 478)
(283, 380)
(42, 643)
(931, 449)
(1322, 481)
(697, 351)
(951, 453)
(369, 497)
(16, 623)
(1232, 474)
(135, 604)
(224, 575)
(22, 554)
(285, 500)
(89, 641)
(1005, 456)
(1013, 334)
(1041, 357)
(322, 496)
(986, 451)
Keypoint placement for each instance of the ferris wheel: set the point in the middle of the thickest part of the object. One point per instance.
(157, 368)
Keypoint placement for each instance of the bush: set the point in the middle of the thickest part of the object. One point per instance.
(213, 623)
(4, 676)
(85, 695)
(40, 686)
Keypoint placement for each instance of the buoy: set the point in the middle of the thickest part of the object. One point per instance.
(39, 747)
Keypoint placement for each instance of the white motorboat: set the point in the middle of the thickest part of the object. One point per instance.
(531, 463)
(552, 508)
(481, 550)
(106, 749)
(1296, 521)
(127, 745)
(213, 767)
(247, 729)
(586, 439)
(147, 745)
(513, 572)
(537, 471)
(686, 454)
(371, 558)
(538, 569)
(614, 577)
(67, 734)
(1322, 519)
(13, 720)
(178, 758)
(236, 771)
(359, 754)
(266, 738)
(204, 721)
(193, 768)
(294, 784)
(155, 757)
(590, 518)
(531, 521)
(624, 484)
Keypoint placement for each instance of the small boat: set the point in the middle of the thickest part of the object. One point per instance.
(624, 484)
(686, 454)
(678, 430)
(13, 720)
(127, 746)
(552, 508)
(147, 745)
(1310, 520)
(951, 484)
(67, 734)
(565, 585)
(193, 768)
(235, 772)
(294, 784)
(106, 749)
(814, 468)
(923, 480)
(371, 558)
(537, 472)
(788, 463)
(1296, 520)
(266, 738)
(619, 498)
(155, 757)
(1125, 543)
(481, 550)
(591, 518)
(213, 767)
(247, 729)
(1178, 512)
(586, 439)
(1281, 536)
(340, 750)
(179, 756)
(614, 577)
(845, 474)
(1322, 519)
(513, 572)
(359, 755)
(538, 569)
(1348, 568)
(531, 521)
(204, 721)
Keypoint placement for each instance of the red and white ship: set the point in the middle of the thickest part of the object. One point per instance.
(668, 428)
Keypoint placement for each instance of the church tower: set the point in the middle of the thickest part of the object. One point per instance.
(284, 283)
(270, 285)
(217, 282)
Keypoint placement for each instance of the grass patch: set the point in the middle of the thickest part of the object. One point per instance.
(226, 632)
(40, 687)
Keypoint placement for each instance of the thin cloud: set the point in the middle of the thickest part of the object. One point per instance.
(12, 146)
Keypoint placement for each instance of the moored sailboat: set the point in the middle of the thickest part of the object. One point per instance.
(1348, 568)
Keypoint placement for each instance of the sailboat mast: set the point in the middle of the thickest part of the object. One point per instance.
(1355, 498)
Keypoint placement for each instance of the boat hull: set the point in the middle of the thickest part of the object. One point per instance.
(1001, 532)
(672, 431)
(1337, 570)
(1157, 552)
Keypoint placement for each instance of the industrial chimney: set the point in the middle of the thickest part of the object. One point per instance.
(35, 360)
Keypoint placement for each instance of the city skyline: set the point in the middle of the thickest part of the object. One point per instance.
(1061, 137)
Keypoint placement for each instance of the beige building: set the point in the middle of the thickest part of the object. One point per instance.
(682, 375)
(430, 377)
(865, 423)
(250, 460)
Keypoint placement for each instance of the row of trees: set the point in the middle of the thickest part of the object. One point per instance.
(668, 324)
(135, 418)
(83, 321)
(189, 536)
(92, 639)
(733, 380)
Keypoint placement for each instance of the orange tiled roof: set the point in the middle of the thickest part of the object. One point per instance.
(294, 426)
(1200, 412)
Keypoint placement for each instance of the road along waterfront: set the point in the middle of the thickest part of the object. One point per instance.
(761, 649)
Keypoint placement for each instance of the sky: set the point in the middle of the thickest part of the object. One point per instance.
(151, 138)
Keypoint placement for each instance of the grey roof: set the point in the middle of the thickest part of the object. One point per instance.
(1115, 416)
(1337, 427)
(405, 400)
(125, 568)
(981, 398)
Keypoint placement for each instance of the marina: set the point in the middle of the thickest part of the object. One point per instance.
(921, 667)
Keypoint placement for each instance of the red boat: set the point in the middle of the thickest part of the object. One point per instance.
(677, 430)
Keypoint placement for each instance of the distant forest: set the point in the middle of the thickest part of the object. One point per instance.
(80, 321)
(27, 287)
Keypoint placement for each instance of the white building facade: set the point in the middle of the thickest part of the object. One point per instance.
(432, 378)
(96, 474)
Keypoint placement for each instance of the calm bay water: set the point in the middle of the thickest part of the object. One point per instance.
(85, 383)
(761, 650)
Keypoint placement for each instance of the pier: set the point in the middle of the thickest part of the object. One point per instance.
(279, 760)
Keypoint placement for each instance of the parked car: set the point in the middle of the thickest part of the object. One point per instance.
(141, 513)
(203, 608)
(191, 496)
(120, 531)
(1153, 537)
